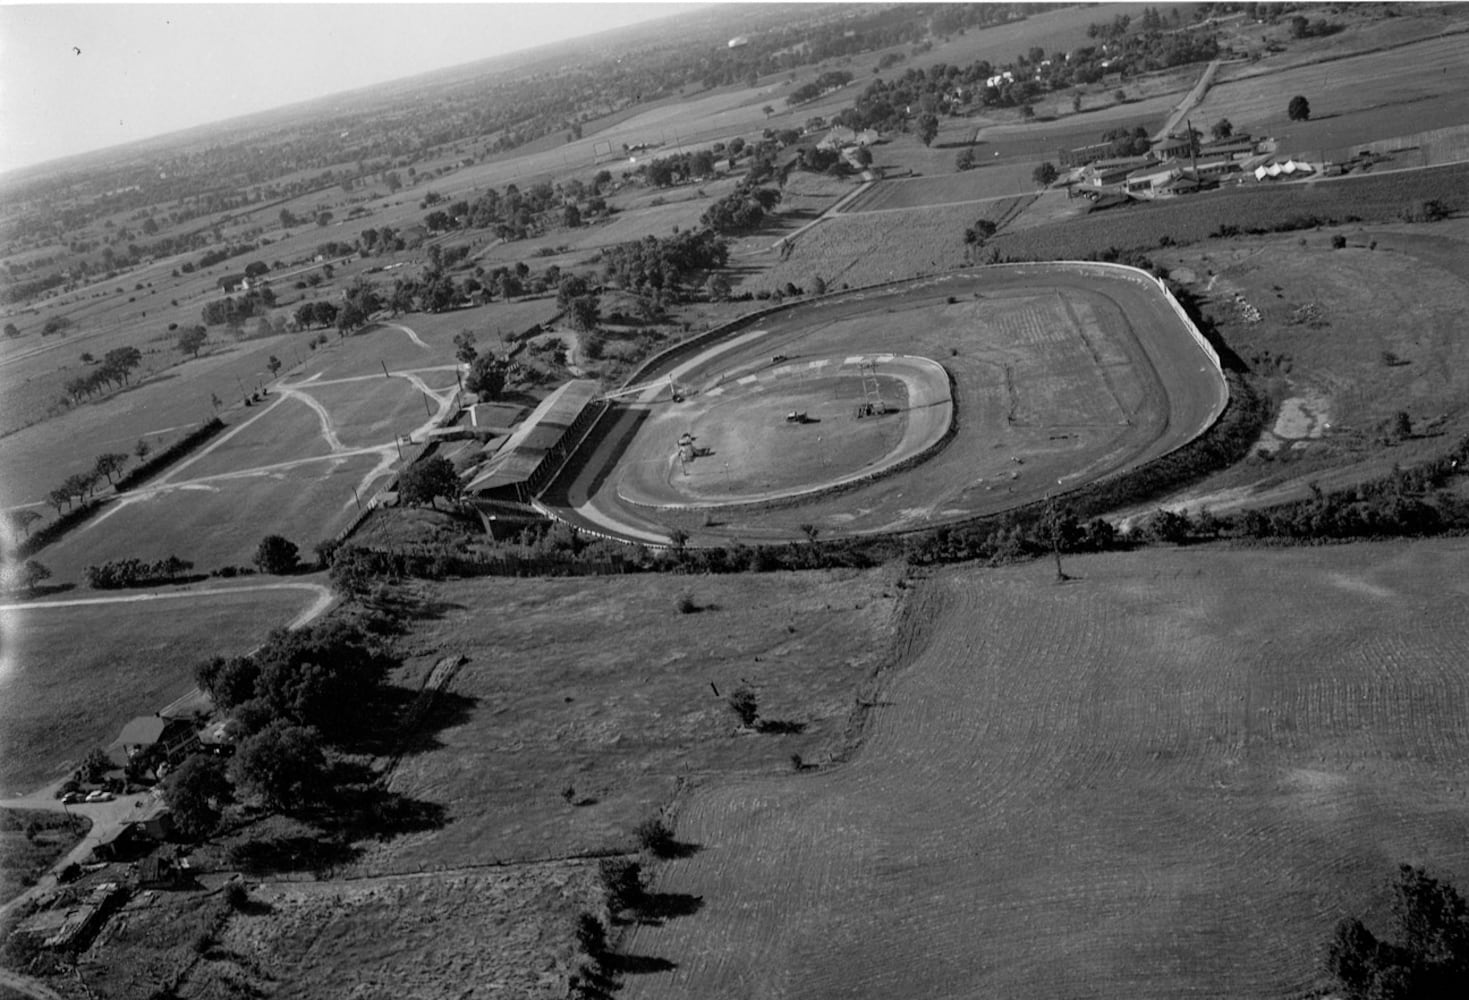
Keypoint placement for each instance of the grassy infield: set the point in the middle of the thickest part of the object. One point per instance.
(1341, 753)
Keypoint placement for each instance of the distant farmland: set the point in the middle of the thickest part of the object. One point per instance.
(1168, 777)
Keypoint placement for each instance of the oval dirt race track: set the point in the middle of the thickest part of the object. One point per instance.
(1061, 374)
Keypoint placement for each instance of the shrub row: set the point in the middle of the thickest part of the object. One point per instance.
(51, 532)
(180, 448)
(119, 573)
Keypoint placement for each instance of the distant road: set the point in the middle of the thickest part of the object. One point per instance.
(1192, 98)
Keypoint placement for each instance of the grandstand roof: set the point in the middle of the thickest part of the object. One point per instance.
(526, 447)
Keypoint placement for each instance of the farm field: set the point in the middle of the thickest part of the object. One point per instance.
(71, 677)
(1373, 196)
(619, 708)
(1354, 100)
(1168, 777)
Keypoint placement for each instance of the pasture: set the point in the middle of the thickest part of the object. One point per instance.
(1167, 777)
(72, 676)
(549, 749)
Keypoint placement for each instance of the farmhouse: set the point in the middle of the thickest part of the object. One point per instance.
(154, 739)
(232, 283)
(533, 452)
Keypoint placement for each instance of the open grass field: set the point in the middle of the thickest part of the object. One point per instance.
(1168, 777)
(1008, 181)
(1383, 337)
(505, 932)
(1060, 376)
(865, 249)
(619, 708)
(71, 677)
(1397, 91)
(220, 522)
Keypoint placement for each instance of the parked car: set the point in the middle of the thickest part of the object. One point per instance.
(100, 796)
(72, 798)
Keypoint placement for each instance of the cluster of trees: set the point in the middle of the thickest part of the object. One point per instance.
(80, 486)
(113, 370)
(276, 555)
(1430, 958)
(428, 479)
(116, 574)
(742, 210)
(311, 315)
(832, 79)
(231, 311)
(320, 676)
(666, 268)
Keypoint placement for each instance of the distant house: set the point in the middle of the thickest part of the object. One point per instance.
(232, 283)
(154, 739)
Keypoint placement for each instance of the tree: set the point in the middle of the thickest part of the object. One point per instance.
(120, 361)
(191, 339)
(273, 365)
(195, 792)
(1045, 175)
(464, 349)
(585, 312)
(863, 156)
(32, 573)
(487, 376)
(324, 218)
(1400, 427)
(1222, 129)
(426, 481)
(283, 766)
(622, 880)
(110, 464)
(1431, 956)
(928, 128)
(1299, 109)
(276, 555)
(742, 703)
(965, 159)
(982, 230)
(571, 216)
(591, 935)
(21, 519)
(11, 330)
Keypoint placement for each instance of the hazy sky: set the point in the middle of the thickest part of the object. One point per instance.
(147, 69)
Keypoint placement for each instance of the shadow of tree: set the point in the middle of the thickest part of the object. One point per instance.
(657, 907)
(780, 727)
(637, 965)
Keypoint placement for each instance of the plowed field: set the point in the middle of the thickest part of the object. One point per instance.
(1166, 778)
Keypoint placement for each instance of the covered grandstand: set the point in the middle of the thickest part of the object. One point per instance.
(534, 451)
